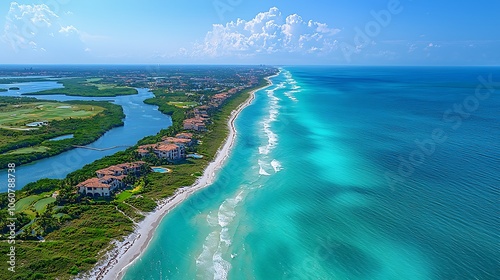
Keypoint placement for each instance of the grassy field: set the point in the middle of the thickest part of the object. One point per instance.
(93, 80)
(183, 104)
(123, 195)
(86, 120)
(26, 202)
(41, 205)
(29, 150)
(21, 114)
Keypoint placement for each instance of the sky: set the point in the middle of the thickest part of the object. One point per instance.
(276, 32)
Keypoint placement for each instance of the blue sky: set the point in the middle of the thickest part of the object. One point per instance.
(375, 32)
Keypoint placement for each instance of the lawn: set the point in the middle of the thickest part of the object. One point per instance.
(109, 86)
(93, 80)
(123, 195)
(29, 150)
(41, 205)
(25, 203)
(183, 104)
(21, 114)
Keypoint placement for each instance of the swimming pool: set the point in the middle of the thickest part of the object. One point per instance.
(194, 156)
(160, 169)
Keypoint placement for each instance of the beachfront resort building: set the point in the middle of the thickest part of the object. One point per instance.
(109, 179)
(170, 151)
(171, 148)
(196, 124)
(164, 150)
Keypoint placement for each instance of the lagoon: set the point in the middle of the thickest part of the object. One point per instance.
(137, 114)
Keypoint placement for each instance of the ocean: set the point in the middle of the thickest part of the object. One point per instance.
(349, 173)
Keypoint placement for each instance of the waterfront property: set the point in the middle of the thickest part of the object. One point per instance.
(178, 141)
(196, 124)
(101, 186)
(109, 179)
(170, 151)
(171, 148)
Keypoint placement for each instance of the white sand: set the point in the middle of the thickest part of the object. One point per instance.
(127, 251)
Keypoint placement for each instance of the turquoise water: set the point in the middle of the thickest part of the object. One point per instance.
(159, 169)
(348, 173)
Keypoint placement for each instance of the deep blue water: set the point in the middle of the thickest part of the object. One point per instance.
(327, 181)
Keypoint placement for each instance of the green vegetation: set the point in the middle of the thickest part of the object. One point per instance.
(29, 150)
(183, 104)
(3, 90)
(21, 80)
(77, 229)
(88, 87)
(41, 205)
(123, 196)
(26, 202)
(86, 120)
(16, 116)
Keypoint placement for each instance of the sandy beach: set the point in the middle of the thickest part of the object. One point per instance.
(125, 252)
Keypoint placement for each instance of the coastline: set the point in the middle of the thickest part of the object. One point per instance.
(125, 252)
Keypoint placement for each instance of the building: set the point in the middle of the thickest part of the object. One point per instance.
(100, 186)
(196, 124)
(145, 150)
(120, 169)
(185, 135)
(38, 124)
(109, 179)
(132, 167)
(170, 151)
(177, 141)
(110, 171)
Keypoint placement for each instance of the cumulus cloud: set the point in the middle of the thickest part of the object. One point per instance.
(68, 29)
(269, 32)
(36, 27)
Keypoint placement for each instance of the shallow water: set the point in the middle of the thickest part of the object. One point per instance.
(309, 191)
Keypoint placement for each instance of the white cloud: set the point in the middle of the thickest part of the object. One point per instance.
(269, 32)
(68, 29)
(36, 27)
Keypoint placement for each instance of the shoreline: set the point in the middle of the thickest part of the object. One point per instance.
(126, 252)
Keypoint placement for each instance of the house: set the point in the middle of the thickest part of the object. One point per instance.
(100, 186)
(37, 124)
(170, 151)
(109, 179)
(185, 135)
(177, 141)
(110, 171)
(196, 124)
(144, 150)
(131, 167)
(120, 169)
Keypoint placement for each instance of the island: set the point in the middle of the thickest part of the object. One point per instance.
(73, 222)
(93, 87)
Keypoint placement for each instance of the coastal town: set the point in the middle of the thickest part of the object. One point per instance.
(130, 184)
